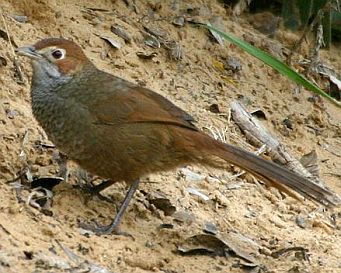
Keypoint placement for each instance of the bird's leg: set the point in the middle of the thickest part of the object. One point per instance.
(114, 226)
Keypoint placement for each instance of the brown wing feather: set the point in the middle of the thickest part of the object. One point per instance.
(124, 102)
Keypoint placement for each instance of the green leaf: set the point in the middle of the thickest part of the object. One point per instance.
(274, 63)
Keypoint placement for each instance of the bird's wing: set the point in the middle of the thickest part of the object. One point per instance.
(123, 102)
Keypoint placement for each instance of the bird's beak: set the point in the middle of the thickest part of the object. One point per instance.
(28, 51)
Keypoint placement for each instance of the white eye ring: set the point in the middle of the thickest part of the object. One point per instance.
(58, 54)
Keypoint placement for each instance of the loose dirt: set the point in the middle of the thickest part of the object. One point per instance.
(29, 237)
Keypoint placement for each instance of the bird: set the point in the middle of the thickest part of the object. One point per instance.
(121, 131)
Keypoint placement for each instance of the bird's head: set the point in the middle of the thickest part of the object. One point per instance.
(54, 58)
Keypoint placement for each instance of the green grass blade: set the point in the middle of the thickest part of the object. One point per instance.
(274, 63)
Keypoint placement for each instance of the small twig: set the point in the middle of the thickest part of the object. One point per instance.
(22, 154)
(278, 253)
(7, 31)
(259, 136)
(5, 229)
(307, 28)
(72, 256)
(16, 62)
(334, 174)
(315, 52)
(229, 116)
(219, 134)
(18, 189)
(80, 264)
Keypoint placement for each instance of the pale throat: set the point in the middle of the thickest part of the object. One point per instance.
(46, 76)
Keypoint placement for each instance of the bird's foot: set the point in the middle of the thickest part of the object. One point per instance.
(104, 230)
(113, 228)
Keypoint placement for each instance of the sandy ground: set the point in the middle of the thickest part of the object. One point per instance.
(31, 240)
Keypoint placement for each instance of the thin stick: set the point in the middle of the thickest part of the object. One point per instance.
(16, 62)
(307, 28)
(7, 31)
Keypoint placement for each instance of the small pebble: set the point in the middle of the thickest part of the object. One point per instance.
(301, 222)
(210, 228)
(20, 18)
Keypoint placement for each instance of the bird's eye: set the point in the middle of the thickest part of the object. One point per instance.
(57, 54)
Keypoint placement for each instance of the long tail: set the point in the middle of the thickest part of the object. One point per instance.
(270, 172)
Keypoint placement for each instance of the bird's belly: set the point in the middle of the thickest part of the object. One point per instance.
(118, 152)
(130, 151)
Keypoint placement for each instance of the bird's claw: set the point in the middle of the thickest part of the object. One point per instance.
(104, 230)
